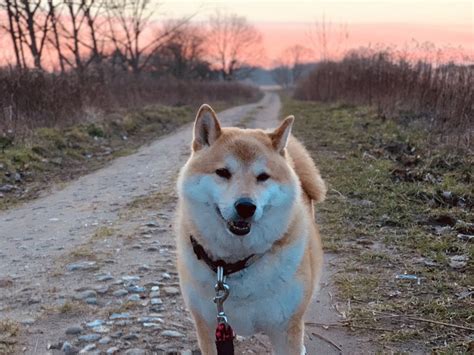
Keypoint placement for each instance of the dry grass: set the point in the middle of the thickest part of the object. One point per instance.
(30, 99)
(440, 96)
(9, 330)
(389, 212)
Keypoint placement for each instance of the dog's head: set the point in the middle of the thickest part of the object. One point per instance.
(238, 187)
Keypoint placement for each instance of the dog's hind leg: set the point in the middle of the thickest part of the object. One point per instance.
(291, 341)
(206, 336)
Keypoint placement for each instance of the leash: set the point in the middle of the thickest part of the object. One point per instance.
(224, 333)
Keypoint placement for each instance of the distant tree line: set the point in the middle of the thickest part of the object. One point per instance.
(65, 35)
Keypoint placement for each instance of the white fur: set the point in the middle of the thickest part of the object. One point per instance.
(265, 295)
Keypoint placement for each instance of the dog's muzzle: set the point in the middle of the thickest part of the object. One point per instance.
(237, 226)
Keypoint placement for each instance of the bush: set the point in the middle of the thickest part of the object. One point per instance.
(31, 99)
(441, 95)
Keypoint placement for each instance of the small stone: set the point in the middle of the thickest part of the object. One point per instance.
(105, 340)
(101, 329)
(95, 323)
(172, 334)
(34, 300)
(74, 330)
(466, 237)
(136, 289)
(151, 325)
(144, 268)
(171, 291)
(120, 293)
(102, 290)
(130, 278)
(154, 294)
(116, 335)
(87, 349)
(458, 261)
(105, 277)
(91, 300)
(130, 337)
(68, 349)
(113, 350)
(119, 316)
(135, 351)
(18, 177)
(27, 321)
(85, 294)
(6, 282)
(82, 265)
(156, 301)
(134, 298)
(7, 188)
(89, 337)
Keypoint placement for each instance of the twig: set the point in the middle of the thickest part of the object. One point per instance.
(339, 193)
(419, 319)
(329, 341)
(314, 324)
(347, 324)
(370, 328)
(440, 323)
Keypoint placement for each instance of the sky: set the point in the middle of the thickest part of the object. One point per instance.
(283, 23)
(393, 22)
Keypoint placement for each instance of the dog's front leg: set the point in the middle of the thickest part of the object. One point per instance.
(289, 341)
(205, 335)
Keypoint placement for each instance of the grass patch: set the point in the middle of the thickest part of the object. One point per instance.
(51, 155)
(9, 330)
(395, 205)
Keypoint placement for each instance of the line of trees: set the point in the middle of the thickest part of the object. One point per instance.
(125, 34)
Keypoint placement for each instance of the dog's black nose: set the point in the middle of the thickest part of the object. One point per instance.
(245, 207)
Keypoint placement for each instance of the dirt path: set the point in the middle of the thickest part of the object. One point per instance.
(101, 250)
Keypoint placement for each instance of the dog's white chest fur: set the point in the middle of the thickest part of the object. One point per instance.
(263, 297)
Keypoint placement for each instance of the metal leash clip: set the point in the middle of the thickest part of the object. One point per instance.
(222, 292)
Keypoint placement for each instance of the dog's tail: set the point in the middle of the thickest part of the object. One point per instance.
(311, 181)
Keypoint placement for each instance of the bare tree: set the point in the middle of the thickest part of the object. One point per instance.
(290, 65)
(12, 29)
(328, 39)
(183, 54)
(55, 41)
(296, 56)
(133, 34)
(28, 25)
(234, 44)
(81, 33)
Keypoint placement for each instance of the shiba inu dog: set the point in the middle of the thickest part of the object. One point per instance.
(246, 202)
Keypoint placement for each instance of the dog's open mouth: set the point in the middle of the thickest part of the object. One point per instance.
(238, 227)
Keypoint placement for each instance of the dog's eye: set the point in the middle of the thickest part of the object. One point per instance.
(263, 177)
(224, 173)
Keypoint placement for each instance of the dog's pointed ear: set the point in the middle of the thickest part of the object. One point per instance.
(206, 128)
(281, 134)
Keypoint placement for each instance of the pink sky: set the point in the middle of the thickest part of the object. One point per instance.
(287, 22)
(393, 22)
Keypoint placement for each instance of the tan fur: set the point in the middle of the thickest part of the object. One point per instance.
(247, 145)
